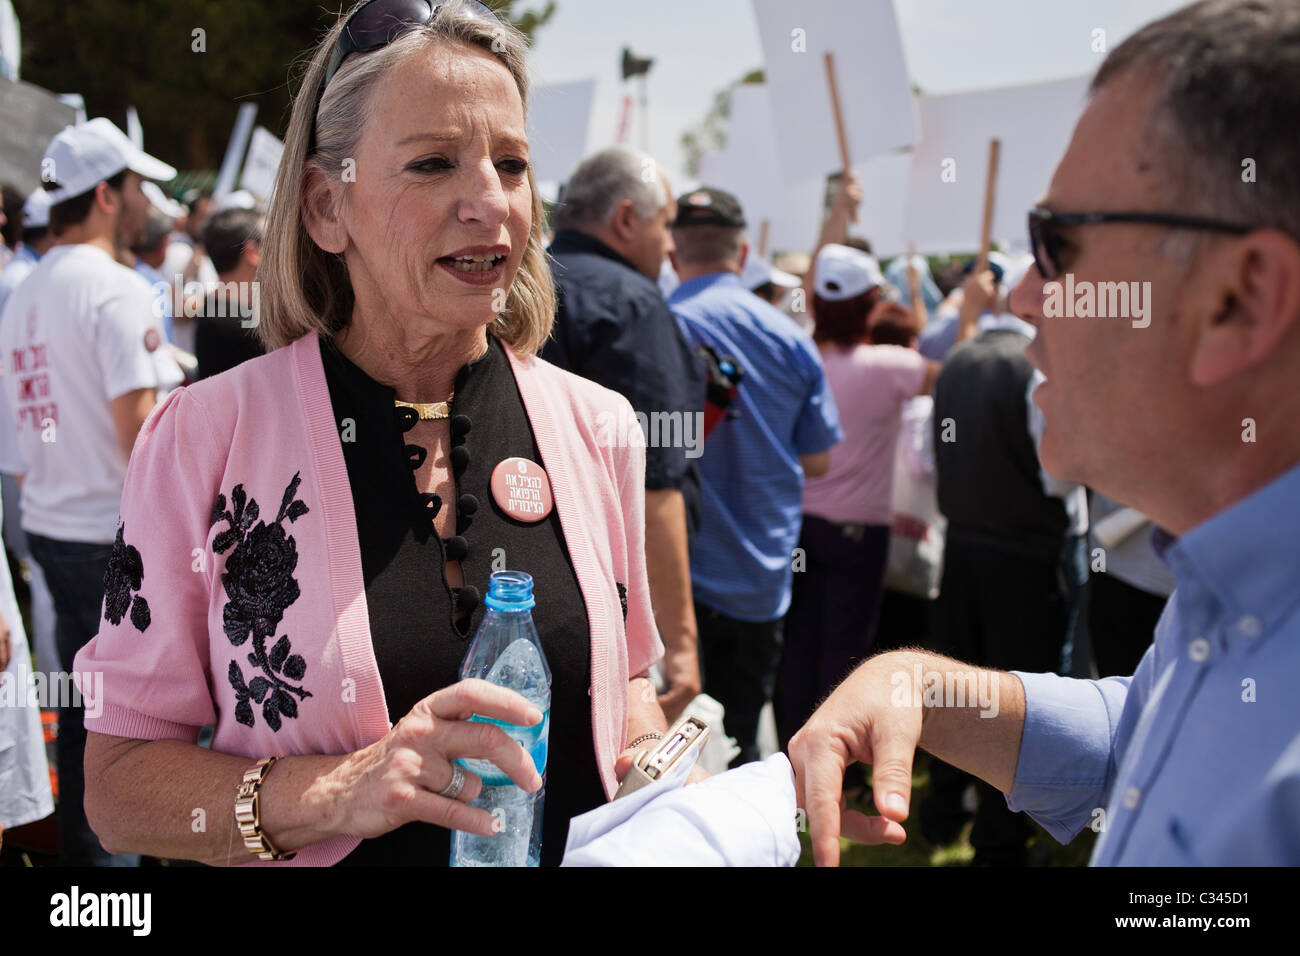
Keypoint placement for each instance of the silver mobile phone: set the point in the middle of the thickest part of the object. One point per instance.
(686, 738)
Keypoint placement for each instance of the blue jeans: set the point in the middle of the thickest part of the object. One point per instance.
(74, 571)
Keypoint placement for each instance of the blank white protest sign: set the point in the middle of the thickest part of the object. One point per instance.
(945, 197)
(559, 117)
(871, 74)
(750, 169)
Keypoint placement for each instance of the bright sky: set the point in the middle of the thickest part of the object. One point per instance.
(701, 46)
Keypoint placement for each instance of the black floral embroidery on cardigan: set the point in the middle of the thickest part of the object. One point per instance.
(622, 598)
(259, 587)
(125, 574)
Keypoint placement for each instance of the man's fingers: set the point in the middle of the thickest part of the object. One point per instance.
(893, 746)
(819, 778)
(864, 829)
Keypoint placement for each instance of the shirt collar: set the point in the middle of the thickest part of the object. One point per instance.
(700, 283)
(1244, 558)
(571, 240)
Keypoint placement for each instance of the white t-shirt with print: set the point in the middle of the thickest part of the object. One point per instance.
(78, 333)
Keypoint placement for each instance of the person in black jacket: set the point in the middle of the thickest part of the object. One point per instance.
(1003, 600)
(614, 328)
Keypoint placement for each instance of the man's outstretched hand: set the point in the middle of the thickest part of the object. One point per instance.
(858, 722)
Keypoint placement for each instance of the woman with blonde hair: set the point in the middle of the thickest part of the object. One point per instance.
(306, 539)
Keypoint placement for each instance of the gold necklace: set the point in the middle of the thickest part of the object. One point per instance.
(429, 411)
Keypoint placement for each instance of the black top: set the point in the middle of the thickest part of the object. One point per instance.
(220, 340)
(990, 488)
(614, 328)
(413, 612)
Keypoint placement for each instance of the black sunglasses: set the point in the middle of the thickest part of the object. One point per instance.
(1045, 230)
(376, 24)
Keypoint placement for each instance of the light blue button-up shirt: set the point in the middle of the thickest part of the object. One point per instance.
(1195, 759)
(751, 479)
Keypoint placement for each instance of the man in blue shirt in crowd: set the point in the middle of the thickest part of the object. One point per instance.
(781, 426)
(1184, 407)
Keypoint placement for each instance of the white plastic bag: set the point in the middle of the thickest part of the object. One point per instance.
(917, 534)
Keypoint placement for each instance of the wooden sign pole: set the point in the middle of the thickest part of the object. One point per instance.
(990, 194)
(846, 163)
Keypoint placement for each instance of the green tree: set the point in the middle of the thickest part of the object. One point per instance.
(142, 53)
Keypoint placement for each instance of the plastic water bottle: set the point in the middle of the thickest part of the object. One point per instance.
(507, 652)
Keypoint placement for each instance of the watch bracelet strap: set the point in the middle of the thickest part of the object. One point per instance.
(248, 816)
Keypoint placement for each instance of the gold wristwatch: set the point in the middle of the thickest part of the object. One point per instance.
(248, 815)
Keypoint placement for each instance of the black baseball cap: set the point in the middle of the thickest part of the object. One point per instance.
(709, 207)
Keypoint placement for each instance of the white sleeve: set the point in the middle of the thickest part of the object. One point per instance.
(130, 343)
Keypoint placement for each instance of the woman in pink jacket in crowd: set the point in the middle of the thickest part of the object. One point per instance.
(306, 539)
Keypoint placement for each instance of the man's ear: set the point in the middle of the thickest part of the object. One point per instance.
(672, 260)
(1254, 305)
(252, 253)
(744, 255)
(107, 198)
(321, 201)
(624, 220)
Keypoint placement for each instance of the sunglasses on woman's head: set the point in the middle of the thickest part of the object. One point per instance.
(377, 24)
(1046, 242)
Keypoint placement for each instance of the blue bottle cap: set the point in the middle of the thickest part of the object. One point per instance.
(510, 591)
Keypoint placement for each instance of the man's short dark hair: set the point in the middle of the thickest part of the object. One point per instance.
(225, 234)
(1228, 76)
(73, 212)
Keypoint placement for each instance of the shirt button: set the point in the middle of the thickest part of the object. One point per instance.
(1250, 626)
(1199, 649)
(1132, 797)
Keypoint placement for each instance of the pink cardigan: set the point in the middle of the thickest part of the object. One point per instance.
(163, 645)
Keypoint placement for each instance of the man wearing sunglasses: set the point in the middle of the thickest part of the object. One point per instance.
(1181, 173)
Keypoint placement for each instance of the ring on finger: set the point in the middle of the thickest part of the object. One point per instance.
(453, 789)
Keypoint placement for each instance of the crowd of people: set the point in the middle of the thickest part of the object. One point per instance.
(235, 501)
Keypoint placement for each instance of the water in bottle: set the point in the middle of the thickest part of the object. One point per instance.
(506, 651)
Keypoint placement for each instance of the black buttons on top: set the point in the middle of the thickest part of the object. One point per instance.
(468, 598)
(467, 504)
(415, 455)
(460, 424)
(459, 458)
(457, 548)
(406, 418)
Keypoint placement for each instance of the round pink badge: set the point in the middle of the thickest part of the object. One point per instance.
(522, 490)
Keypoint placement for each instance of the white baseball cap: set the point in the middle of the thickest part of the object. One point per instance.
(84, 156)
(842, 272)
(36, 210)
(168, 207)
(759, 271)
